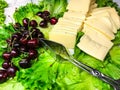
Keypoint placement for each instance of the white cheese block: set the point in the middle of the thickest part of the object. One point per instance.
(101, 27)
(79, 5)
(93, 48)
(64, 38)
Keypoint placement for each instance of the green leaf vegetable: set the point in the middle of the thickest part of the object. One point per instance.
(3, 5)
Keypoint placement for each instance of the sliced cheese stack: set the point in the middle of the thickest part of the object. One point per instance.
(99, 29)
(65, 31)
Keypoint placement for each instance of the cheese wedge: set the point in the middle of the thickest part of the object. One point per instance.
(65, 38)
(93, 48)
(79, 5)
(101, 27)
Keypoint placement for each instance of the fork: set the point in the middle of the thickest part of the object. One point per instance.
(58, 49)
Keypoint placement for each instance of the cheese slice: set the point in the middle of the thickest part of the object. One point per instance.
(97, 36)
(63, 29)
(79, 5)
(72, 14)
(93, 48)
(107, 20)
(70, 20)
(64, 38)
(101, 27)
(101, 8)
(67, 28)
(111, 11)
(70, 24)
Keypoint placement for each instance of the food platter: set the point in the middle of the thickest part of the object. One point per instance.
(46, 72)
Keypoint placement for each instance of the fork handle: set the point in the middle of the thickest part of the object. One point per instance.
(96, 73)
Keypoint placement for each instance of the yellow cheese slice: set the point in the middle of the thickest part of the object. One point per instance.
(77, 15)
(70, 20)
(64, 29)
(64, 38)
(79, 5)
(101, 8)
(97, 36)
(101, 27)
(107, 20)
(111, 11)
(67, 28)
(93, 48)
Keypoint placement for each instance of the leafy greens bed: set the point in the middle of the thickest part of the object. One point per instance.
(47, 73)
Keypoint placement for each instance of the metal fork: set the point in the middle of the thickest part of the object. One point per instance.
(59, 50)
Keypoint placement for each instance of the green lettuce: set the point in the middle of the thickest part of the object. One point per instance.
(11, 85)
(3, 5)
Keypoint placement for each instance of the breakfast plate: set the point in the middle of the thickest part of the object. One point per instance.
(42, 71)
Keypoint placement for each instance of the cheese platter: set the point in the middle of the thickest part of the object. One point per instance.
(88, 29)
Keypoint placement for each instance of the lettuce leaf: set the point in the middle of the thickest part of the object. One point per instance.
(12, 85)
(3, 5)
(115, 54)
